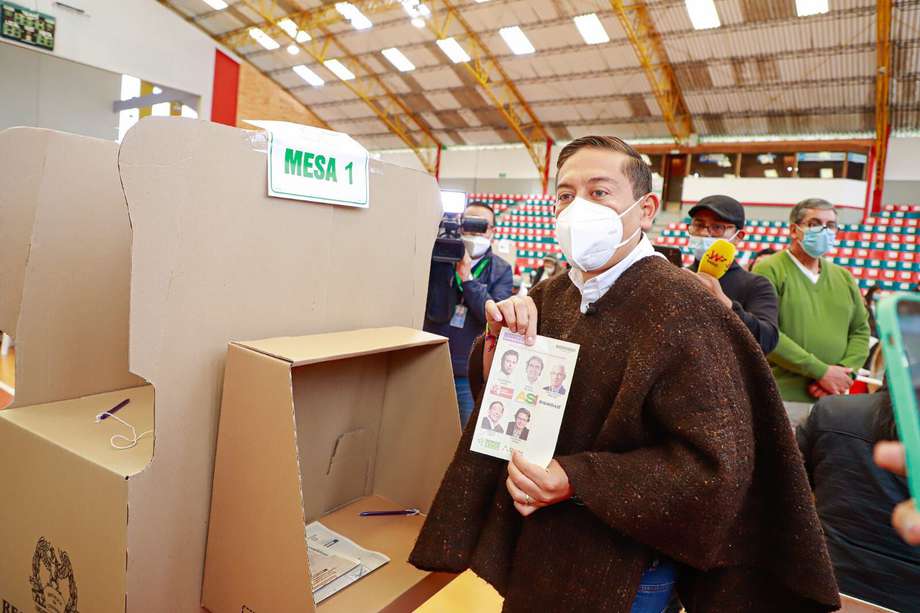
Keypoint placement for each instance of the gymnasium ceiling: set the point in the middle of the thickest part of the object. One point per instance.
(764, 71)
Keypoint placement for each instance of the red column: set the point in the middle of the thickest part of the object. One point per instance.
(226, 89)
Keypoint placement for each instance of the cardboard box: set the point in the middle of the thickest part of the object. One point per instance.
(64, 285)
(215, 259)
(320, 428)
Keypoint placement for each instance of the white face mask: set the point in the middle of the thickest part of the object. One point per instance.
(701, 244)
(476, 246)
(589, 234)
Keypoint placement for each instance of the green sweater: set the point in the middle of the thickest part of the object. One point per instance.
(821, 324)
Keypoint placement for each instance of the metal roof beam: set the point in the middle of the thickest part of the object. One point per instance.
(319, 121)
(384, 103)
(498, 87)
(652, 56)
(882, 98)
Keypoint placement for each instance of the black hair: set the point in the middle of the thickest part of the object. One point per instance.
(885, 428)
(524, 411)
(635, 169)
(483, 205)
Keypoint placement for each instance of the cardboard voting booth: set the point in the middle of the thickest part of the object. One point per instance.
(215, 260)
(320, 428)
(64, 284)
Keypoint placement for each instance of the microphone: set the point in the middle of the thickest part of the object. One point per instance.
(718, 258)
(591, 309)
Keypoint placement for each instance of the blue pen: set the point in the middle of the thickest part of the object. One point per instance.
(383, 513)
(112, 411)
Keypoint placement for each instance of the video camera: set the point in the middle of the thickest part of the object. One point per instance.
(448, 246)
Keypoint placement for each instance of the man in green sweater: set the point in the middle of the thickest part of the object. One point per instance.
(824, 329)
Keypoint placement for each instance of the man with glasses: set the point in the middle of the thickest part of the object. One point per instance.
(824, 329)
(750, 296)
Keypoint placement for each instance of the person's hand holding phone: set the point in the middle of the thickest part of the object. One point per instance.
(905, 519)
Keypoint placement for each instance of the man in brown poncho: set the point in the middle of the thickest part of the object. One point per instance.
(674, 449)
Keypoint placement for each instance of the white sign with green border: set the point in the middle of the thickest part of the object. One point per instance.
(315, 165)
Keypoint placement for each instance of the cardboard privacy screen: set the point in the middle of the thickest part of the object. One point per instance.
(64, 286)
(214, 259)
(320, 428)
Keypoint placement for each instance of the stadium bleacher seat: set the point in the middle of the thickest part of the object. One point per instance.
(880, 251)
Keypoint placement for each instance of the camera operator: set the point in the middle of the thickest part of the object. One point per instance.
(457, 295)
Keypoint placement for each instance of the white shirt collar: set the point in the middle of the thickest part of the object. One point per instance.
(811, 276)
(595, 288)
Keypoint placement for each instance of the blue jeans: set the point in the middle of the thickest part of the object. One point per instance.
(464, 398)
(656, 587)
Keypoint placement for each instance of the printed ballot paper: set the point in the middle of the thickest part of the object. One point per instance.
(336, 561)
(525, 398)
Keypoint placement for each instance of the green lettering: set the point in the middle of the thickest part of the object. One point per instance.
(292, 161)
(320, 170)
(308, 165)
(330, 170)
(348, 167)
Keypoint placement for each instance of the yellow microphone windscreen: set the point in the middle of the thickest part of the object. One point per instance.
(718, 258)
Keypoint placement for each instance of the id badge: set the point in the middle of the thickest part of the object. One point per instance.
(459, 317)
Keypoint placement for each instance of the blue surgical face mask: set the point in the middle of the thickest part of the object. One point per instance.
(701, 244)
(819, 241)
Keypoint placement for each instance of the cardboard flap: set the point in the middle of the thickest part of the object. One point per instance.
(215, 259)
(71, 425)
(304, 350)
(65, 245)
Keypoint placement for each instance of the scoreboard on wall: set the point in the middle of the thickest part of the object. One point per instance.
(27, 26)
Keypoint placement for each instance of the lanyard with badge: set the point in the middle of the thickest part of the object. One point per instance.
(460, 311)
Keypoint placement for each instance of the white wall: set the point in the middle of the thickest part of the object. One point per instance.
(44, 91)
(760, 191)
(902, 173)
(141, 38)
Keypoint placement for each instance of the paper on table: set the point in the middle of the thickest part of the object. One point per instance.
(323, 540)
(327, 567)
(525, 398)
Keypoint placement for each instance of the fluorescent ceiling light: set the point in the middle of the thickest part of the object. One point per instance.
(217, 5)
(703, 14)
(288, 26)
(339, 70)
(804, 8)
(350, 12)
(418, 22)
(453, 50)
(303, 37)
(293, 49)
(398, 59)
(308, 75)
(263, 39)
(591, 29)
(516, 40)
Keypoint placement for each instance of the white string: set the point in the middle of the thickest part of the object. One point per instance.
(130, 442)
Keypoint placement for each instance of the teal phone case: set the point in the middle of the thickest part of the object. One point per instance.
(900, 385)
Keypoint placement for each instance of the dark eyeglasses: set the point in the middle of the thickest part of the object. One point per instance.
(715, 230)
(815, 225)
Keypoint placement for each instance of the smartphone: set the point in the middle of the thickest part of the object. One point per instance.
(899, 328)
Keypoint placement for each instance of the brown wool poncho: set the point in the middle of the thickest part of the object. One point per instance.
(676, 441)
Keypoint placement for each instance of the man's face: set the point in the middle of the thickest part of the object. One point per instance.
(480, 211)
(508, 363)
(707, 223)
(496, 410)
(521, 420)
(557, 376)
(815, 218)
(534, 368)
(596, 175)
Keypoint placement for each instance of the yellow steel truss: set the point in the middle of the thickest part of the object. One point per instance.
(646, 41)
(316, 118)
(494, 81)
(367, 85)
(882, 93)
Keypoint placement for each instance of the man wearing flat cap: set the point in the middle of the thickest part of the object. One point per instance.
(750, 296)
